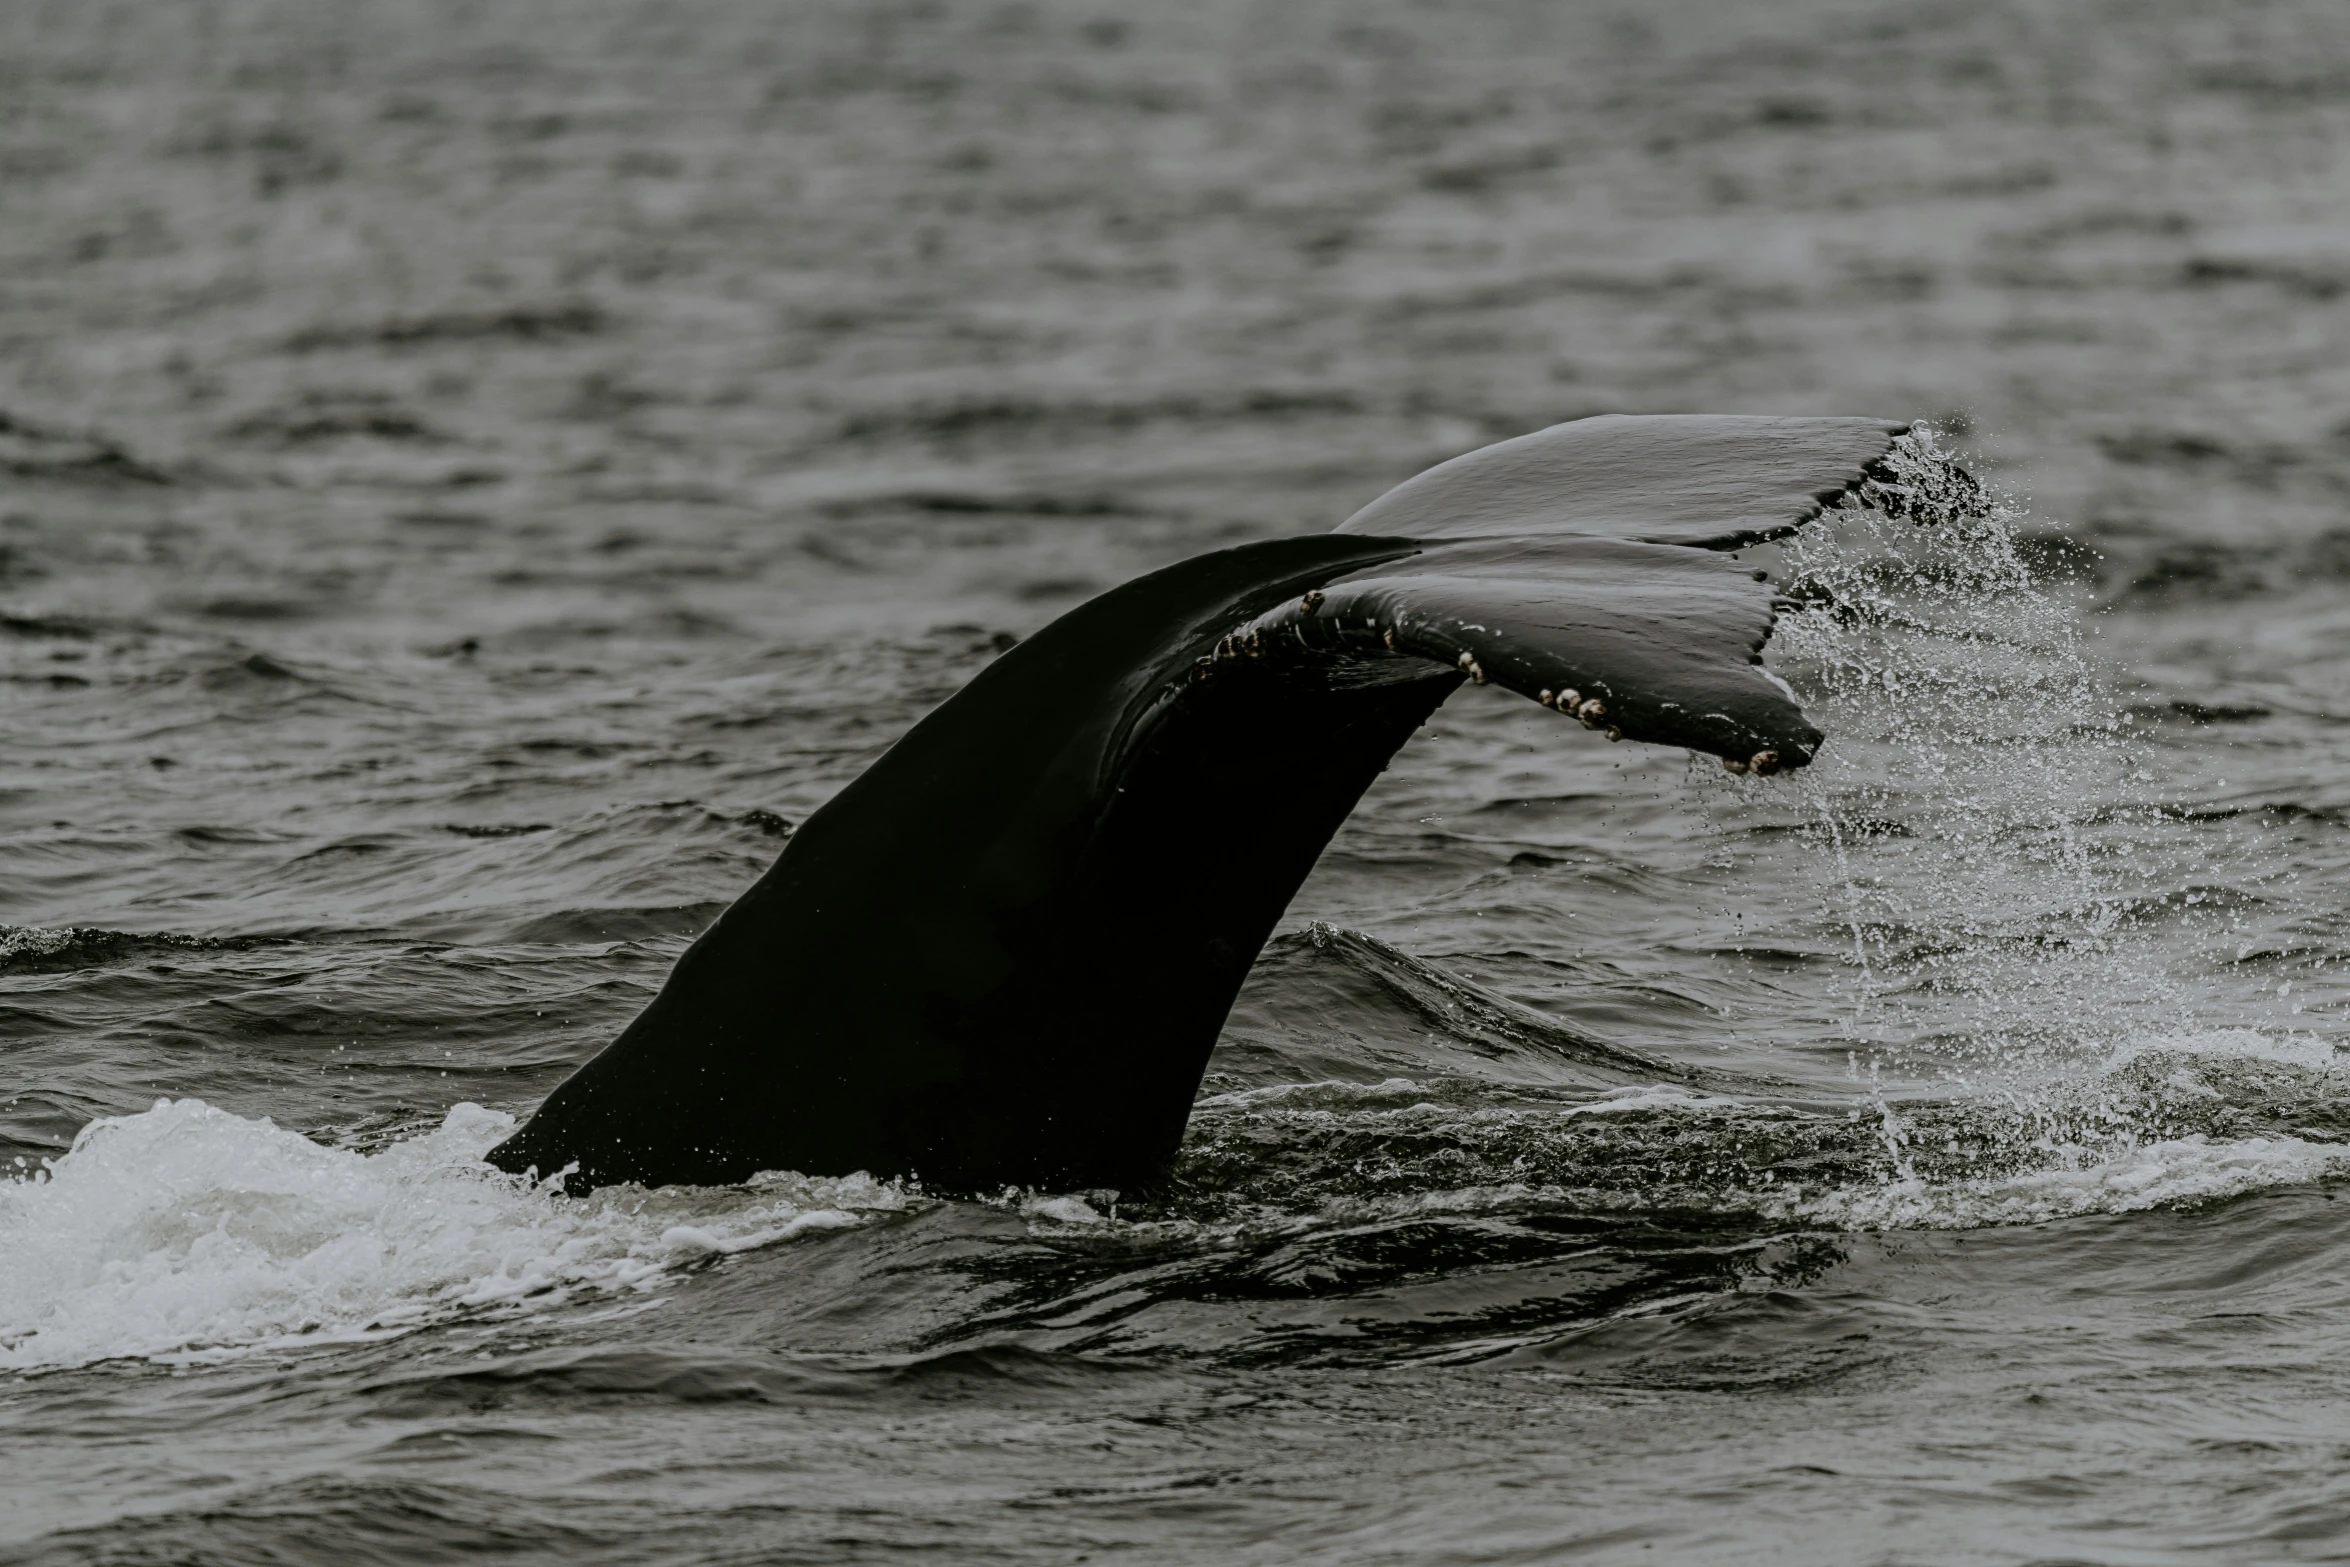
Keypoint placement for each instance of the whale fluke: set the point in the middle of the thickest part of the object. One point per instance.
(1003, 954)
(1708, 481)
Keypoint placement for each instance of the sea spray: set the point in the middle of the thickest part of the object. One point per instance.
(1981, 838)
(1984, 844)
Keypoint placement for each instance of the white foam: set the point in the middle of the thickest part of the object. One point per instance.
(1067, 1208)
(190, 1233)
(2234, 1044)
(2152, 1175)
(1652, 1096)
(35, 941)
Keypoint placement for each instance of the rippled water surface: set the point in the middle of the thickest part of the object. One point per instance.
(472, 478)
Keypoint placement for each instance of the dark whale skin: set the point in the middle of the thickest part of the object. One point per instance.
(1002, 955)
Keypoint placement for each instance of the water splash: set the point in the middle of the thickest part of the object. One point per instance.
(2019, 910)
(1998, 864)
(186, 1233)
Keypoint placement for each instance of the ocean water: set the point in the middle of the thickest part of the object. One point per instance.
(473, 478)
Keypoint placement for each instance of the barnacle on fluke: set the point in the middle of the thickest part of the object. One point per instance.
(1003, 954)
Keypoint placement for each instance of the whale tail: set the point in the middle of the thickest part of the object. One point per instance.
(1002, 955)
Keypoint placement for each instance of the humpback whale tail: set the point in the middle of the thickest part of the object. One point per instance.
(1003, 954)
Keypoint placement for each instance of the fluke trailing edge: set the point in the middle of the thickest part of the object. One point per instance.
(1003, 954)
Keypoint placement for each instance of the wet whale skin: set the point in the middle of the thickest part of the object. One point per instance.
(1003, 954)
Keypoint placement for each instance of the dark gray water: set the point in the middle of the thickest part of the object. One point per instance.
(472, 478)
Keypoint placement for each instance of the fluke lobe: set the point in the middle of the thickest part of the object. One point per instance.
(1003, 954)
